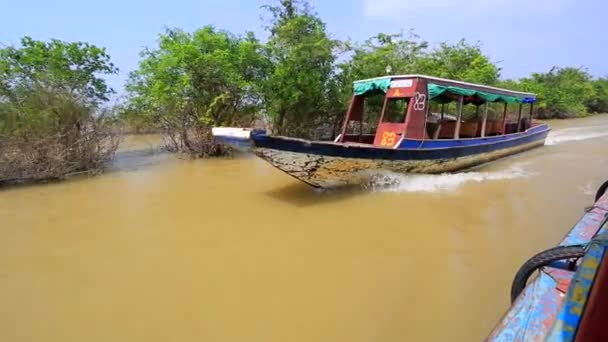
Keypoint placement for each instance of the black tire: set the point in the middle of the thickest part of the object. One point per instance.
(601, 191)
(539, 260)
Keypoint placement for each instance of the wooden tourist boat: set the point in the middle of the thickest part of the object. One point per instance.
(568, 300)
(409, 137)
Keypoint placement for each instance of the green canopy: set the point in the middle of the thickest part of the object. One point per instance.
(435, 91)
(372, 86)
(382, 84)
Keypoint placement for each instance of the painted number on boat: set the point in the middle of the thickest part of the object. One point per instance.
(388, 139)
(419, 101)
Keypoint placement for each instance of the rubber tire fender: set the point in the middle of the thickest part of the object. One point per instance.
(544, 258)
(601, 190)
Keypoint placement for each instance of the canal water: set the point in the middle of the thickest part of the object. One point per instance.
(168, 249)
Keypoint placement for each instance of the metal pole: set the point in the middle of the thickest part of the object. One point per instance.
(351, 106)
(504, 119)
(477, 107)
(531, 112)
(361, 128)
(460, 105)
(485, 119)
(521, 108)
(440, 123)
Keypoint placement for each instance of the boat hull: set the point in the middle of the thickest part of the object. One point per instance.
(328, 165)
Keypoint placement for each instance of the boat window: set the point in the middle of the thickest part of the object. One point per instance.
(396, 109)
(371, 112)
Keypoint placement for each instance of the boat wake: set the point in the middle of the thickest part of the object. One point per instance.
(576, 134)
(391, 182)
(587, 189)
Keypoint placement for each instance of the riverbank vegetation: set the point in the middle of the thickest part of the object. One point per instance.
(51, 120)
(55, 121)
(299, 81)
(194, 81)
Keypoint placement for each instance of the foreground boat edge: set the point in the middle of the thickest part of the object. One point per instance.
(553, 305)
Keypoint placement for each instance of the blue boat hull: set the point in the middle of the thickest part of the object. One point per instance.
(328, 164)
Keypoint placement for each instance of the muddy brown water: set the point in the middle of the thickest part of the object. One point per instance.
(163, 249)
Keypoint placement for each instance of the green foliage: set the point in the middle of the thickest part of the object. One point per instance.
(193, 82)
(371, 59)
(462, 61)
(133, 120)
(510, 84)
(599, 102)
(297, 91)
(41, 82)
(51, 124)
(562, 92)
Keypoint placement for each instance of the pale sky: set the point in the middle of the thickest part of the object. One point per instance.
(523, 36)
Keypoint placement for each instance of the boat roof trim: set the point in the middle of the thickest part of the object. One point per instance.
(439, 79)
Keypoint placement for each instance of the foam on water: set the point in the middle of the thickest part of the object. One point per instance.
(576, 134)
(393, 182)
(587, 189)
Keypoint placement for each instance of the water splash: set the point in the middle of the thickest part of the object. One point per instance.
(576, 134)
(391, 182)
(587, 189)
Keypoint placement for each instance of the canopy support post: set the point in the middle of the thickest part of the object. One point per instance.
(349, 113)
(504, 119)
(519, 123)
(484, 121)
(531, 111)
(460, 105)
(361, 129)
(438, 129)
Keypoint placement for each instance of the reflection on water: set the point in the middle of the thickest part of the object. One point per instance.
(138, 159)
(299, 194)
(164, 248)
